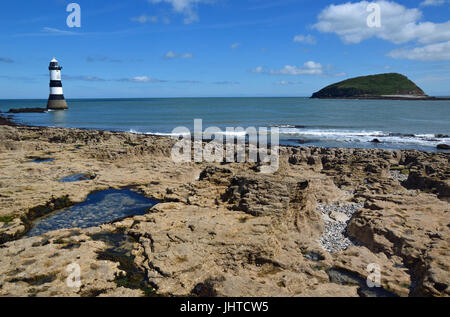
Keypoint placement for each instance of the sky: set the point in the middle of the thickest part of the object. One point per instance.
(219, 48)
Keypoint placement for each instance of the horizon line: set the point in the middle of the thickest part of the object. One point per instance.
(78, 98)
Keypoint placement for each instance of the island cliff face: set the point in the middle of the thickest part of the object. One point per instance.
(380, 86)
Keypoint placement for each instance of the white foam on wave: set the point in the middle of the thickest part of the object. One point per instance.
(363, 136)
(329, 133)
(348, 136)
(156, 133)
(224, 133)
(428, 140)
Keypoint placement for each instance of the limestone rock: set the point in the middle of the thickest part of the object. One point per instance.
(223, 229)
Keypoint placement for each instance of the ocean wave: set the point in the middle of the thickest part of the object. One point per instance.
(336, 135)
(155, 133)
(328, 133)
(365, 136)
(224, 133)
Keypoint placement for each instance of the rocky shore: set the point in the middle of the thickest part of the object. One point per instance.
(310, 229)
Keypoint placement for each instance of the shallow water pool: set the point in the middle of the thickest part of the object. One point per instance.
(98, 208)
(43, 160)
(74, 178)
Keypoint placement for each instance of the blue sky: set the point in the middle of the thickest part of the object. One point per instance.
(202, 48)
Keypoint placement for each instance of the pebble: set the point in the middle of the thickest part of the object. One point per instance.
(334, 238)
(398, 176)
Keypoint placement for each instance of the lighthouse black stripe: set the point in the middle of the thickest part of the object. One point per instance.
(56, 100)
(56, 97)
(55, 83)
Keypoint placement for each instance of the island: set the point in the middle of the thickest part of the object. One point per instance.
(382, 86)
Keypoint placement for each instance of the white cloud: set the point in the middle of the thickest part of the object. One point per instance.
(431, 52)
(341, 74)
(226, 82)
(308, 68)
(398, 24)
(235, 45)
(427, 3)
(170, 55)
(145, 19)
(173, 55)
(185, 7)
(258, 69)
(83, 78)
(137, 79)
(54, 31)
(142, 79)
(102, 58)
(305, 39)
(286, 83)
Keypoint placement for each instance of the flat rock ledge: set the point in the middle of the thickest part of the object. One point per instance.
(310, 229)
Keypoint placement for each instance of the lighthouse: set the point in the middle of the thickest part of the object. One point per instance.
(56, 99)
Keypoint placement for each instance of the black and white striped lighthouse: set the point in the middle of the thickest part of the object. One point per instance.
(56, 99)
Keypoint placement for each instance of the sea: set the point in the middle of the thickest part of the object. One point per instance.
(396, 124)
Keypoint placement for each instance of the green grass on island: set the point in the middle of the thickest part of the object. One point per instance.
(371, 86)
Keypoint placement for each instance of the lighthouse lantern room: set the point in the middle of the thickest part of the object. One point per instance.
(56, 99)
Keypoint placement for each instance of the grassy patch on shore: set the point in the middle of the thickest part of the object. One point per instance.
(405, 171)
(7, 219)
(244, 219)
(35, 280)
(67, 244)
(402, 169)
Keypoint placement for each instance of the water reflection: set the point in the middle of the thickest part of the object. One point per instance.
(58, 117)
(98, 208)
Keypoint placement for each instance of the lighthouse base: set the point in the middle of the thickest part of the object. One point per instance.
(57, 105)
